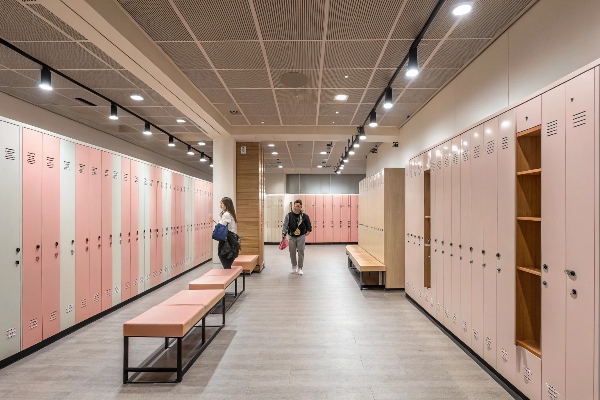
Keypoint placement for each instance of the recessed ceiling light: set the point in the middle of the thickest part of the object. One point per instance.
(346, 76)
(201, 143)
(136, 97)
(351, 152)
(341, 97)
(323, 152)
(46, 79)
(274, 153)
(280, 166)
(262, 122)
(271, 145)
(319, 166)
(181, 121)
(462, 9)
(337, 112)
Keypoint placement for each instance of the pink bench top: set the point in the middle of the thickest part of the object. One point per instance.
(235, 270)
(246, 261)
(207, 298)
(214, 281)
(165, 321)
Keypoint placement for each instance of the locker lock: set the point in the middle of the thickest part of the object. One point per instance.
(483, 265)
(460, 246)
(18, 249)
(545, 266)
(55, 244)
(569, 272)
(483, 252)
(471, 262)
(450, 243)
(574, 292)
(442, 242)
(471, 249)
(87, 240)
(545, 283)
(72, 242)
(37, 246)
(98, 237)
(17, 262)
(435, 240)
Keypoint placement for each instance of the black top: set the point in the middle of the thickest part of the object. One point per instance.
(300, 221)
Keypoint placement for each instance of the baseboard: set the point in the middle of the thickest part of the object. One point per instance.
(509, 387)
(38, 346)
(310, 244)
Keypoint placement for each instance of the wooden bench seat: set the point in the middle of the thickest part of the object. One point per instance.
(174, 318)
(362, 261)
(220, 279)
(247, 262)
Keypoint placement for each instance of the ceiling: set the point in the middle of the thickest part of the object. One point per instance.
(235, 52)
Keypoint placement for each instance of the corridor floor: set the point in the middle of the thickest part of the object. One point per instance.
(315, 336)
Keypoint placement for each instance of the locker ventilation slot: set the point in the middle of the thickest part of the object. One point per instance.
(526, 373)
(106, 172)
(552, 392)
(81, 168)
(69, 308)
(466, 155)
(83, 303)
(439, 165)
(504, 355)
(67, 165)
(31, 158)
(490, 146)
(464, 326)
(9, 154)
(107, 292)
(11, 333)
(447, 161)
(475, 334)
(454, 318)
(579, 119)
(94, 171)
(552, 128)
(33, 323)
(125, 177)
(50, 162)
(455, 158)
(117, 289)
(505, 143)
(476, 151)
(115, 174)
(488, 343)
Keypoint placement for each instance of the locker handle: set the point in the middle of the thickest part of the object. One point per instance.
(569, 272)
(37, 246)
(460, 246)
(574, 292)
(545, 266)
(87, 240)
(483, 252)
(450, 243)
(17, 262)
(545, 283)
(98, 237)
(498, 256)
(471, 249)
(18, 249)
(55, 244)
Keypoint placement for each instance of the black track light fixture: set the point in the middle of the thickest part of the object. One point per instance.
(388, 98)
(113, 112)
(373, 119)
(362, 135)
(413, 63)
(190, 151)
(171, 142)
(202, 157)
(147, 130)
(45, 78)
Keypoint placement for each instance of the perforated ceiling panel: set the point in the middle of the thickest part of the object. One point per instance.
(157, 18)
(290, 19)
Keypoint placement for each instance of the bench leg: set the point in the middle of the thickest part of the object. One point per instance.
(235, 287)
(166, 343)
(223, 307)
(125, 359)
(179, 361)
(243, 282)
(203, 330)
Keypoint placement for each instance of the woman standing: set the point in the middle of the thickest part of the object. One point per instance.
(228, 218)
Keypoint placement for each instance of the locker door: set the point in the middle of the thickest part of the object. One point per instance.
(553, 233)
(354, 218)
(141, 227)
(465, 238)
(158, 227)
(328, 218)
(32, 238)
(345, 218)
(165, 214)
(10, 240)
(580, 206)
(173, 232)
(432, 245)
(50, 236)
(146, 231)
(490, 238)
(155, 278)
(438, 222)
(309, 208)
(125, 228)
(447, 234)
(134, 221)
(319, 224)
(455, 238)
(82, 233)
(506, 359)
(477, 183)
(116, 229)
(107, 239)
(95, 188)
(336, 217)
(67, 234)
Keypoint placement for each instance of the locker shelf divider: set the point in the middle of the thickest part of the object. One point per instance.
(531, 270)
(532, 219)
(537, 171)
(535, 131)
(530, 345)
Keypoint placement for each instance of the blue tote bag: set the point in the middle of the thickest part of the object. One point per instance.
(220, 232)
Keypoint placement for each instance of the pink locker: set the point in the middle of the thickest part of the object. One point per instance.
(106, 230)
(125, 228)
(50, 236)
(477, 183)
(205, 220)
(528, 375)
(345, 218)
(529, 114)
(506, 356)
(319, 222)
(309, 209)
(438, 225)
(32, 238)
(95, 235)
(490, 237)
(328, 218)
(354, 218)
(447, 234)
(173, 231)
(581, 136)
(155, 279)
(159, 224)
(430, 240)
(455, 236)
(134, 221)
(553, 235)
(82, 232)
(465, 238)
(336, 217)
(181, 222)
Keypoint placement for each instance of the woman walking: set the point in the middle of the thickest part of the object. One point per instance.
(227, 218)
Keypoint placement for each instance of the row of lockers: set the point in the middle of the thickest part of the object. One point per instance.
(371, 226)
(502, 242)
(84, 229)
(334, 217)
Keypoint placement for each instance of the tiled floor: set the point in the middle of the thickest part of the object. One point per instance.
(315, 336)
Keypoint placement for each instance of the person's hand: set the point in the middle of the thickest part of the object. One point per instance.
(308, 233)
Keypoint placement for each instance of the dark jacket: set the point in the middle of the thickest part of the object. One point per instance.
(293, 221)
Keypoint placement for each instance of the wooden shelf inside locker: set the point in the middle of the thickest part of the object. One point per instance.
(535, 131)
(531, 270)
(428, 217)
(537, 171)
(531, 219)
(531, 346)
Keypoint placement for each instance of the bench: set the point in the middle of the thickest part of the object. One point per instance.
(220, 279)
(247, 262)
(174, 318)
(361, 261)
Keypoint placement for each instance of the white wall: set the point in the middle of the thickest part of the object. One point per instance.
(29, 114)
(224, 178)
(553, 39)
(274, 183)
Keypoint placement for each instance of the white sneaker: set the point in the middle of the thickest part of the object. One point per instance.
(300, 271)
(295, 270)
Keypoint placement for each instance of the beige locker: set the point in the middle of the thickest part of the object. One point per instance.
(447, 233)
(438, 222)
(453, 248)
(465, 238)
